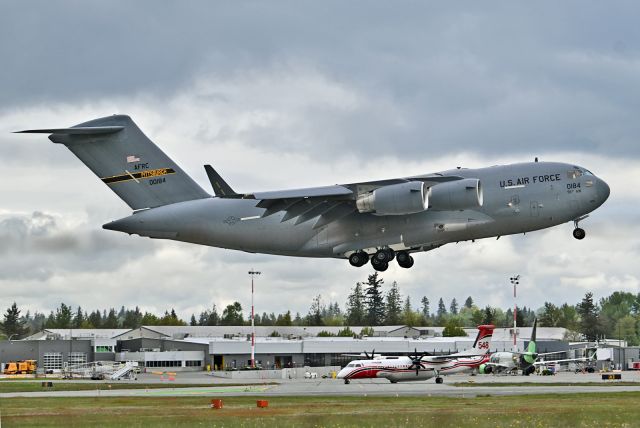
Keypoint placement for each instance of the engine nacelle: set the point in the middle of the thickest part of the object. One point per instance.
(485, 369)
(395, 199)
(456, 195)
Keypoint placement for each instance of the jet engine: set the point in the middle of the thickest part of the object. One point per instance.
(484, 369)
(456, 195)
(395, 199)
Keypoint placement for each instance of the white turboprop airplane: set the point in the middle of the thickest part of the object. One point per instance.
(421, 366)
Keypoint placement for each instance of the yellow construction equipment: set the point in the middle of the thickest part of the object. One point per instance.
(20, 367)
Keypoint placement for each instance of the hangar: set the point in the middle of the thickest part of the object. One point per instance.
(192, 348)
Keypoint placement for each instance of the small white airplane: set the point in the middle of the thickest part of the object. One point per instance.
(420, 366)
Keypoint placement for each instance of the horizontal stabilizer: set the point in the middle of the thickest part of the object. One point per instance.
(83, 130)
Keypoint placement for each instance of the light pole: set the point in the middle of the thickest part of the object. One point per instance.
(253, 327)
(515, 280)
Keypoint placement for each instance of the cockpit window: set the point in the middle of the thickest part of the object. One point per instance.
(587, 172)
(358, 365)
(574, 173)
(351, 365)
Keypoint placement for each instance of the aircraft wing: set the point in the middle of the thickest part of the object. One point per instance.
(566, 360)
(327, 204)
(438, 358)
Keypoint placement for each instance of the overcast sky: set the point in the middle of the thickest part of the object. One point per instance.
(290, 94)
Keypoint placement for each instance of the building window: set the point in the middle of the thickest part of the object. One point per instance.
(194, 363)
(314, 360)
(52, 360)
(76, 358)
(104, 348)
(163, 364)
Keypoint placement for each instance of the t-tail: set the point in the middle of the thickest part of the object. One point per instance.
(482, 343)
(117, 151)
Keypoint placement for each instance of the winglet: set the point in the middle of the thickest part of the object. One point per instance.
(220, 187)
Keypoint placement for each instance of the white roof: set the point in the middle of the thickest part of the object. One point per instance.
(78, 333)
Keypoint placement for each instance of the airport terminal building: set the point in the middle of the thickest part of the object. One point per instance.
(194, 348)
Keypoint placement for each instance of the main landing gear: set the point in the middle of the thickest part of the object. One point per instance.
(439, 380)
(381, 259)
(578, 233)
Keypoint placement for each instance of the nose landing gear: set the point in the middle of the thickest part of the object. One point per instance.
(578, 233)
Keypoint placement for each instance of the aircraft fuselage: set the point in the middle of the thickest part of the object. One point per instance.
(517, 198)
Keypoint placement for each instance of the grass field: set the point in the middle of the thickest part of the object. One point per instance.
(548, 385)
(582, 410)
(61, 385)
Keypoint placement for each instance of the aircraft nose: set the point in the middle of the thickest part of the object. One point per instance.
(603, 190)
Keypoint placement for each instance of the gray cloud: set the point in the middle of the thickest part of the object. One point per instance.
(325, 93)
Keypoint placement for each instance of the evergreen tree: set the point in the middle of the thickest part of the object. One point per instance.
(12, 325)
(193, 321)
(315, 312)
(78, 320)
(408, 315)
(425, 307)
(489, 315)
(442, 312)
(356, 306)
(393, 305)
(284, 320)
(468, 303)
(453, 308)
(63, 316)
(132, 318)
(112, 320)
(588, 312)
(374, 300)
(95, 318)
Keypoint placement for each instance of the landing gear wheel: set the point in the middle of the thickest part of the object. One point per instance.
(390, 254)
(381, 256)
(439, 380)
(404, 259)
(579, 233)
(378, 265)
(358, 259)
(346, 381)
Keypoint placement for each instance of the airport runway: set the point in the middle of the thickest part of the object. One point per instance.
(335, 387)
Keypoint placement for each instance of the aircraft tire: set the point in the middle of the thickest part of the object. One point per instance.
(439, 380)
(358, 259)
(381, 256)
(579, 233)
(404, 260)
(390, 254)
(380, 266)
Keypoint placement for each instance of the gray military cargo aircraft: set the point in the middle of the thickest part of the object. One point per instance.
(378, 220)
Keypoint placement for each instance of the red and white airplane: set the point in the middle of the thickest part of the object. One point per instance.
(421, 366)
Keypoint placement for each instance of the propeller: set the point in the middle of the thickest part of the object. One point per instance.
(373, 354)
(416, 360)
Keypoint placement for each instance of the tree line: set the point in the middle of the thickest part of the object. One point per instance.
(369, 305)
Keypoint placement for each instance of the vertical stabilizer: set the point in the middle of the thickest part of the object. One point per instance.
(117, 151)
